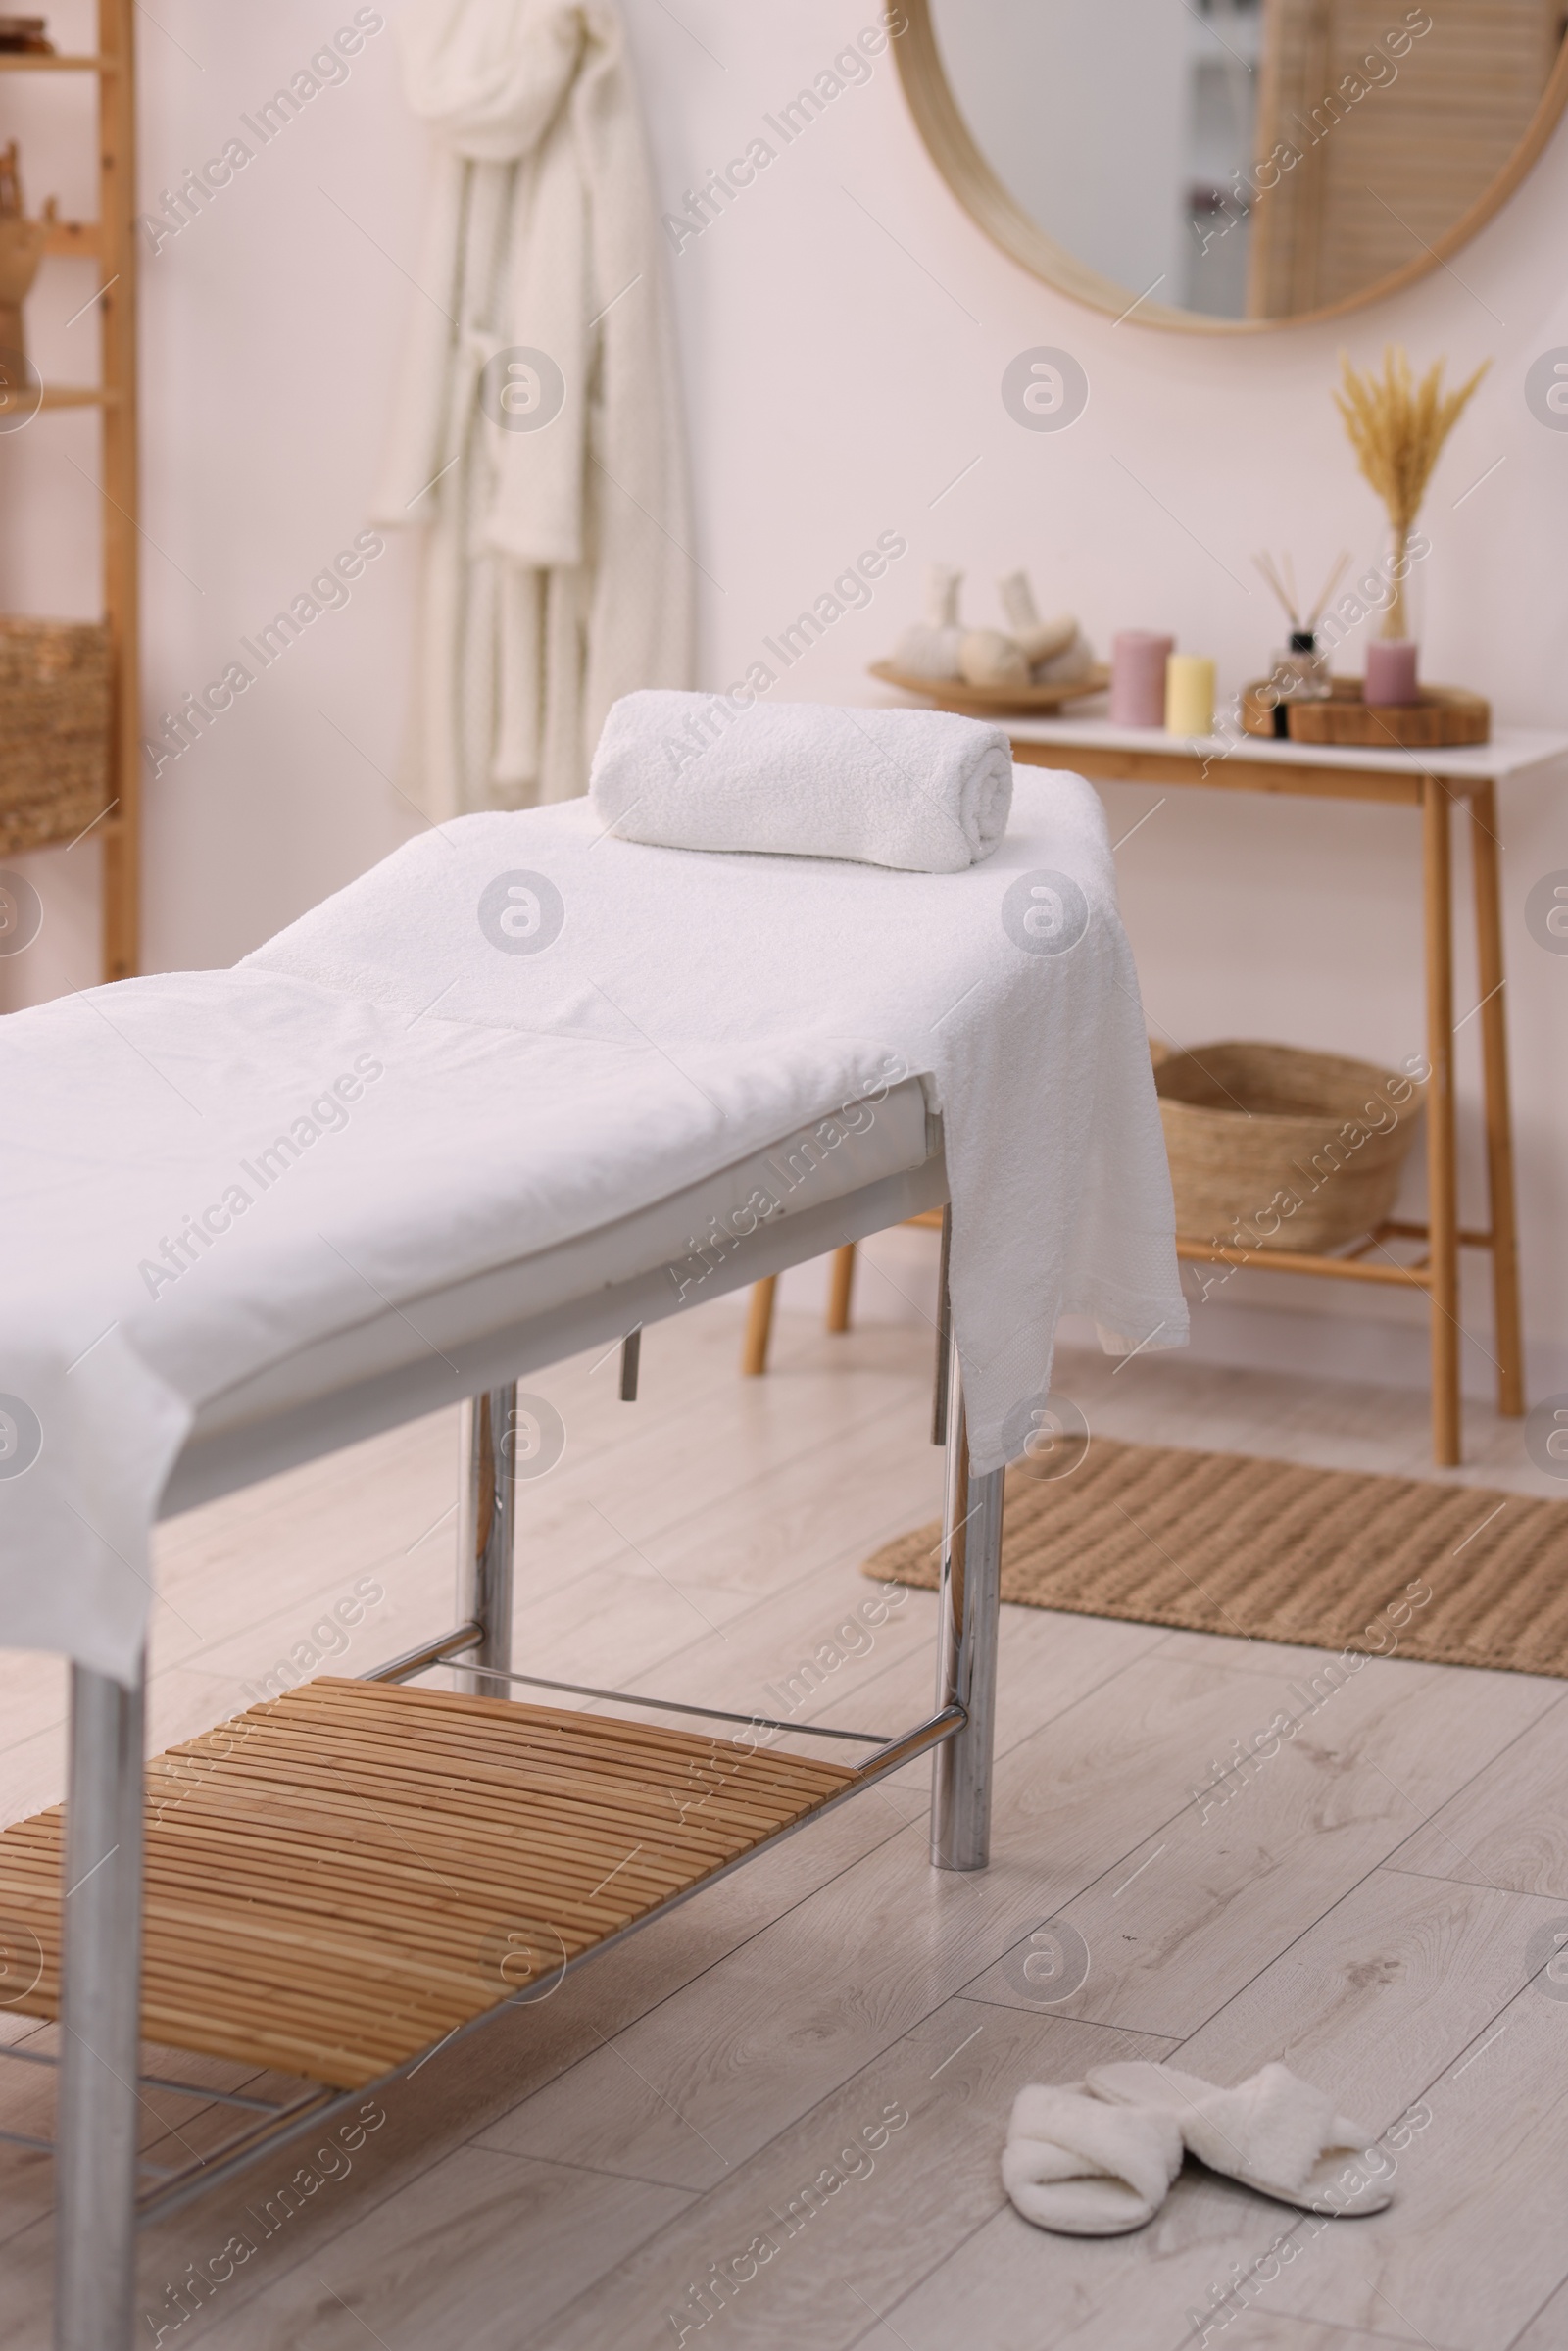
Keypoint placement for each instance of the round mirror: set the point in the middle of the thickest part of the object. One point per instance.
(1229, 165)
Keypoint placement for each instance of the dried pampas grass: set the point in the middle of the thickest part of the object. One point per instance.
(1397, 427)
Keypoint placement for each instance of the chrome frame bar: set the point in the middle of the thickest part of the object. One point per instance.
(969, 1604)
(198, 2091)
(439, 1651)
(636, 1698)
(487, 1523)
(100, 2019)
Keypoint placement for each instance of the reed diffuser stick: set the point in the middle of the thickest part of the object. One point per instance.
(1270, 570)
(1281, 578)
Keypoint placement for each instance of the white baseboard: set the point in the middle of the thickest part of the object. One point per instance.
(1321, 1330)
(1370, 1349)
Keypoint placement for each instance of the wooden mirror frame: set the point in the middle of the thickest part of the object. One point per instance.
(951, 147)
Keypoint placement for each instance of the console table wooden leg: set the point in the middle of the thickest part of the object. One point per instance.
(1443, 1219)
(1508, 1339)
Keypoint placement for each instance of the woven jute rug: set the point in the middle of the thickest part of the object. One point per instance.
(1219, 1542)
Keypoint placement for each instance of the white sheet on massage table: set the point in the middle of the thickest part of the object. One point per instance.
(880, 1139)
(692, 1009)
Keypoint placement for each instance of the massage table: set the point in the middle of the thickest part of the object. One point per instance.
(342, 1880)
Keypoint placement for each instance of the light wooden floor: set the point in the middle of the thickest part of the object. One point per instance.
(1376, 1909)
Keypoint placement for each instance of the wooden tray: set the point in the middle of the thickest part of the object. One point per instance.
(993, 702)
(1443, 717)
(342, 1877)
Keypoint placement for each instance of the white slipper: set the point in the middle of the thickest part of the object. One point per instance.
(1085, 2167)
(1274, 2132)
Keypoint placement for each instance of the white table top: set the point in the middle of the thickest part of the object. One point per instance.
(1510, 751)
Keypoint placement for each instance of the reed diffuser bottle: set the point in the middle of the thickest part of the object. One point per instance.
(1300, 672)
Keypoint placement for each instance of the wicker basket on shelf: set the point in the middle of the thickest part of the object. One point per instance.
(1273, 1148)
(54, 700)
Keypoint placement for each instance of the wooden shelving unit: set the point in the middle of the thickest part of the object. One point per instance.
(111, 241)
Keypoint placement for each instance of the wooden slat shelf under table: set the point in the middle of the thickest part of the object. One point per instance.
(341, 1878)
(1432, 782)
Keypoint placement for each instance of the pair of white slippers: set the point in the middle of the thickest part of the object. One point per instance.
(1097, 2157)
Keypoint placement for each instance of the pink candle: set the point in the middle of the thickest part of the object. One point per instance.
(1390, 670)
(1138, 658)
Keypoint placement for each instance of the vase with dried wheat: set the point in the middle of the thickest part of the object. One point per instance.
(1397, 427)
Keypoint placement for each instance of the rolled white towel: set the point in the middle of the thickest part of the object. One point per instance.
(920, 790)
(1084, 2167)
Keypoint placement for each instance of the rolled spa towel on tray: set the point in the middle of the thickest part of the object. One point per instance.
(920, 790)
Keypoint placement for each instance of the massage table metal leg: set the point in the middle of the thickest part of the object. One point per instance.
(486, 1530)
(939, 1382)
(100, 2021)
(968, 1603)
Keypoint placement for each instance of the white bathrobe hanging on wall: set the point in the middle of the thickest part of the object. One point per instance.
(536, 435)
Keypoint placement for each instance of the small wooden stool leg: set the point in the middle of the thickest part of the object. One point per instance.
(1443, 1219)
(759, 1328)
(838, 1296)
(1508, 1335)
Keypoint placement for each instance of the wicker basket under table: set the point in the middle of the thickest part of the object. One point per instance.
(54, 703)
(1272, 1146)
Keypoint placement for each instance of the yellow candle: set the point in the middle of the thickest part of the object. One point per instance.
(1188, 695)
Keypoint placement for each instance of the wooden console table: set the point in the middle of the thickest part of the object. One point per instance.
(1432, 782)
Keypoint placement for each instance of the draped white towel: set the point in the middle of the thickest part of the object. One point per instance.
(556, 575)
(920, 790)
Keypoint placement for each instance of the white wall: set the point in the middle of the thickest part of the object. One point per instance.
(845, 329)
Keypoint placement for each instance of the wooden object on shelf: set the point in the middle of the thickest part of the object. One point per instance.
(1279, 1149)
(340, 1877)
(990, 702)
(1467, 779)
(112, 240)
(56, 708)
(22, 243)
(1445, 717)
